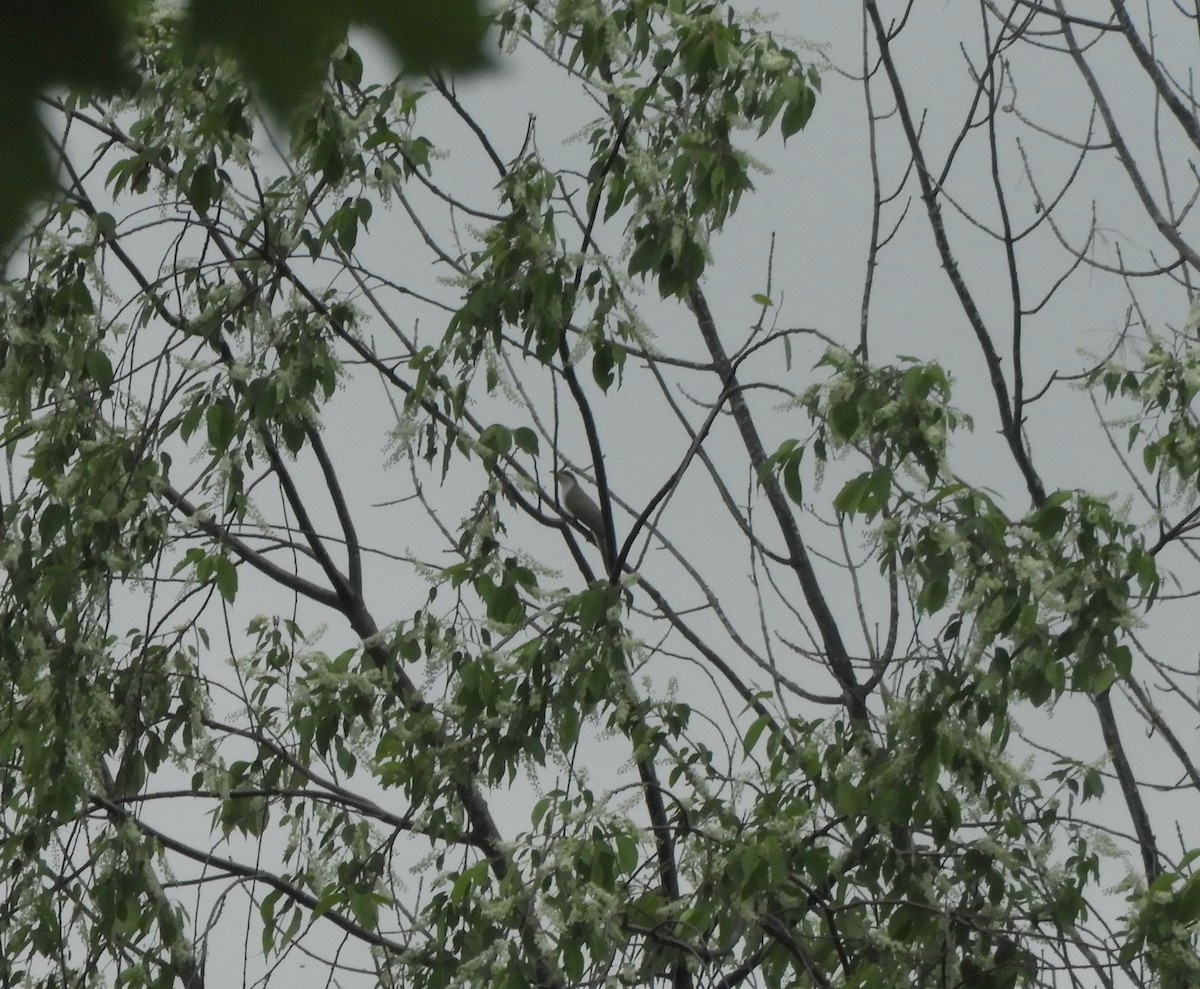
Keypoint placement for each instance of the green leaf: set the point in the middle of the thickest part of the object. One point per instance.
(365, 908)
(573, 962)
(1048, 520)
(865, 494)
(604, 360)
(329, 898)
(221, 421)
(77, 43)
(303, 35)
(1093, 784)
(1122, 659)
(568, 728)
(593, 606)
(349, 68)
(847, 798)
(248, 815)
(1102, 679)
(502, 601)
(526, 439)
(791, 477)
(106, 225)
(100, 369)
(447, 34)
(225, 576)
(750, 739)
(628, 856)
(203, 188)
(294, 435)
(53, 519)
(496, 441)
(844, 418)
(797, 113)
(266, 912)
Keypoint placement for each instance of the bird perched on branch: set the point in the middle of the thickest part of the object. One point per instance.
(579, 505)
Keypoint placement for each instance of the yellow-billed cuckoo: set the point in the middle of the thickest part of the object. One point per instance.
(579, 506)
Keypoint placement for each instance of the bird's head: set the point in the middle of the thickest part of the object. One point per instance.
(565, 479)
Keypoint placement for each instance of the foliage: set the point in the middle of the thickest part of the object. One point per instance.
(305, 666)
(83, 45)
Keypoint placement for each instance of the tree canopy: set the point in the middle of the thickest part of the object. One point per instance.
(890, 678)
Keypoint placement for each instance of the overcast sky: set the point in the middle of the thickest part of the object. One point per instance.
(814, 204)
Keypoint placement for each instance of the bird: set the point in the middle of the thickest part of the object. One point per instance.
(579, 505)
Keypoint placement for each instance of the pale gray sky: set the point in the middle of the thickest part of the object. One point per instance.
(814, 201)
